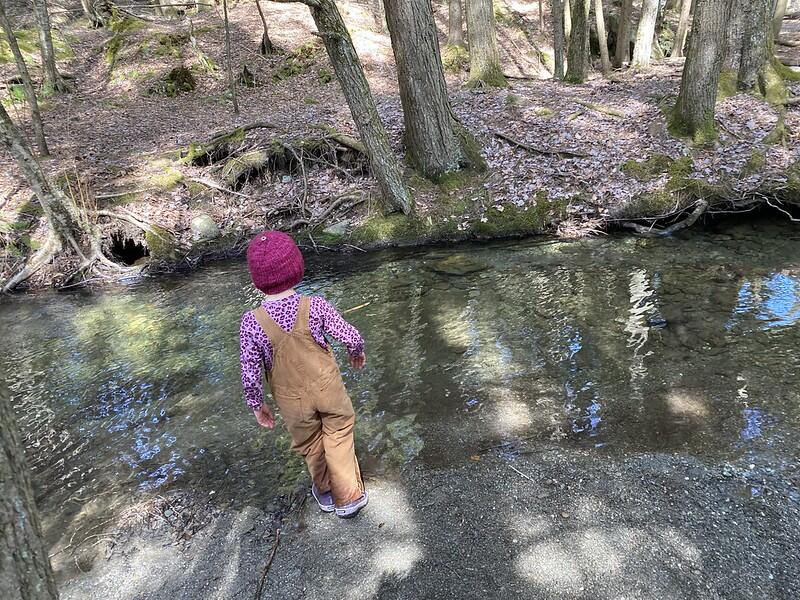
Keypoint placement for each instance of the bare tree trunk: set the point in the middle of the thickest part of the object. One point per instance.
(694, 111)
(51, 77)
(683, 28)
(736, 26)
(25, 572)
(757, 46)
(379, 13)
(623, 45)
(455, 27)
(484, 60)
(558, 38)
(383, 162)
(229, 58)
(30, 92)
(567, 22)
(266, 48)
(578, 51)
(437, 143)
(777, 19)
(541, 18)
(643, 47)
(600, 21)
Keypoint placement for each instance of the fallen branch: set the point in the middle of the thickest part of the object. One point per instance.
(215, 186)
(129, 218)
(264, 573)
(121, 193)
(700, 207)
(546, 151)
(606, 110)
(355, 308)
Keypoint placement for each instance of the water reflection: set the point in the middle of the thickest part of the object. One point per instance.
(622, 344)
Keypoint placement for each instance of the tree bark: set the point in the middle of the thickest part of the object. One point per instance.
(623, 44)
(567, 22)
(455, 24)
(694, 111)
(266, 48)
(484, 60)
(25, 572)
(383, 162)
(558, 38)
(683, 29)
(578, 51)
(757, 45)
(51, 77)
(736, 26)
(600, 21)
(437, 143)
(27, 83)
(777, 19)
(643, 47)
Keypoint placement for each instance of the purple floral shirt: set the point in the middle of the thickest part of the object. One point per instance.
(256, 349)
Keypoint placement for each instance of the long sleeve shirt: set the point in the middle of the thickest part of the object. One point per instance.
(256, 350)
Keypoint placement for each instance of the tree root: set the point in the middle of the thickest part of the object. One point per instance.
(324, 215)
(701, 206)
(606, 110)
(546, 151)
(43, 256)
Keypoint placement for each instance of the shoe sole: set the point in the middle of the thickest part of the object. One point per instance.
(354, 510)
(326, 508)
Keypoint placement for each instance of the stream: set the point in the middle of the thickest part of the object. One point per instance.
(617, 345)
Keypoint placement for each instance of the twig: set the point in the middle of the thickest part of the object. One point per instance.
(546, 151)
(786, 212)
(122, 193)
(518, 472)
(268, 565)
(355, 308)
(215, 186)
(354, 247)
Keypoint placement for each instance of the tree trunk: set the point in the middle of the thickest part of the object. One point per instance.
(51, 77)
(383, 162)
(643, 47)
(567, 22)
(484, 60)
(683, 28)
(756, 45)
(777, 19)
(436, 142)
(736, 25)
(30, 92)
(229, 58)
(578, 51)
(379, 13)
(455, 28)
(25, 572)
(694, 111)
(558, 38)
(623, 44)
(266, 48)
(600, 21)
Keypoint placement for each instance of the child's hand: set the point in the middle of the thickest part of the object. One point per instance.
(358, 362)
(265, 417)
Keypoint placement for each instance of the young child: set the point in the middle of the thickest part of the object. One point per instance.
(287, 334)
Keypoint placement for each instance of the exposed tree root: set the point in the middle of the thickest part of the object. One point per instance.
(43, 256)
(550, 151)
(324, 215)
(701, 206)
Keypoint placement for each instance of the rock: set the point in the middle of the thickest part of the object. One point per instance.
(338, 229)
(286, 179)
(459, 264)
(204, 228)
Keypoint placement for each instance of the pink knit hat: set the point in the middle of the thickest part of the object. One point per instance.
(275, 262)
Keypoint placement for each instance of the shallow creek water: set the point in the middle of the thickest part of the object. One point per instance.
(616, 345)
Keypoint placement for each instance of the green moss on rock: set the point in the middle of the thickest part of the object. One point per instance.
(161, 244)
(178, 80)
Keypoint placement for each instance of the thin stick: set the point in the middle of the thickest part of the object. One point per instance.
(269, 564)
(216, 186)
(518, 472)
(122, 193)
(355, 308)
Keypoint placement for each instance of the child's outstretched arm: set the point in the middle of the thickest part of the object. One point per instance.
(343, 332)
(251, 360)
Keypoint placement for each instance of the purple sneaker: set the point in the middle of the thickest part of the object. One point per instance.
(325, 500)
(351, 509)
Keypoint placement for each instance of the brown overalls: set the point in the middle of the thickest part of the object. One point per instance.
(307, 386)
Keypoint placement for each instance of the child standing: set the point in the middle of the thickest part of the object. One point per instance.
(287, 334)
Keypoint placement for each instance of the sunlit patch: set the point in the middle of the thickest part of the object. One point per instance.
(550, 564)
(602, 552)
(397, 559)
(529, 528)
(681, 546)
(511, 415)
(686, 404)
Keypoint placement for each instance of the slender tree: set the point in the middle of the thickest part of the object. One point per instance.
(484, 60)
(600, 21)
(559, 41)
(436, 142)
(757, 47)
(266, 48)
(683, 28)
(25, 572)
(229, 57)
(27, 83)
(694, 111)
(623, 43)
(339, 45)
(777, 19)
(643, 47)
(578, 51)
(52, 79)
(455, 24)
(567, 21)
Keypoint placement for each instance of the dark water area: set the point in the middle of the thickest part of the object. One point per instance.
(616, 345)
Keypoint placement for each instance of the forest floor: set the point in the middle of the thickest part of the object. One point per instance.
(552, 524)
(564, 159)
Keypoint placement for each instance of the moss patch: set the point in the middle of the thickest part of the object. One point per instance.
(772, 86)
(656, 166)
(513, 220)
(727, 86)
(28, 42)
(121, 28)
(787, 73)
(206, 153)
(297, 62)
(162, 174)
(491, 76)
(779, 134)
(455, 59)
(701, 136)
(161, 243)
(178, 80)
(754, 164)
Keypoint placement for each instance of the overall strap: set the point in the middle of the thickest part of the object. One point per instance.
(303, 312)
(270, 327)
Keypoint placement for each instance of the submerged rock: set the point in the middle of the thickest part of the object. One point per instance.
(459, 264)
(204, 228)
